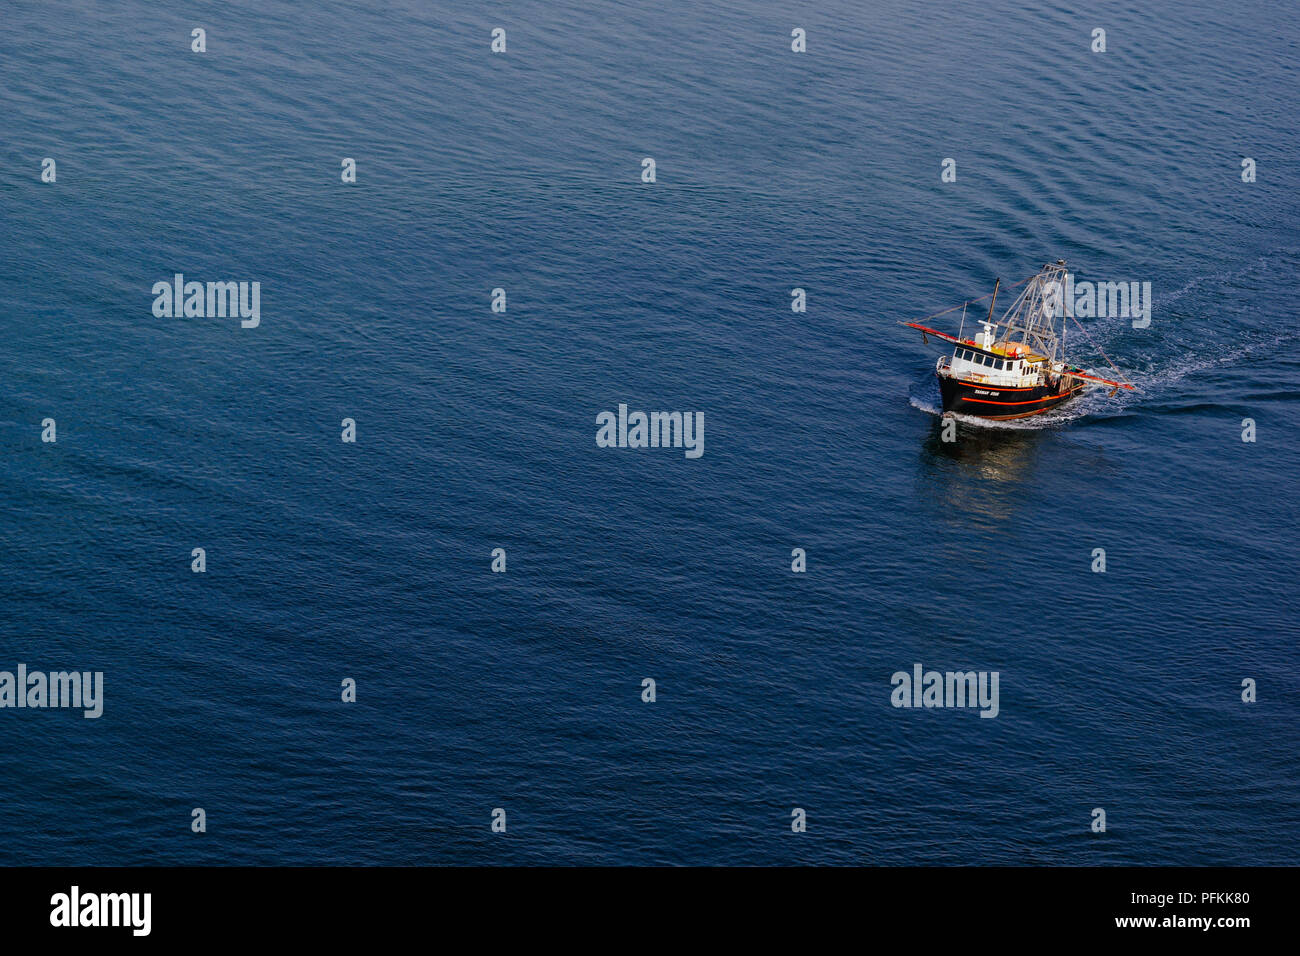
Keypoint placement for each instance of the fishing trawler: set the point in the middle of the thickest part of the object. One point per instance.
(1016, 366)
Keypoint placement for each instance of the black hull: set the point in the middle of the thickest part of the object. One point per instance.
(1000, 402)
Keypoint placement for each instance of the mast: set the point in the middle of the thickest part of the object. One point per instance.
(996, 284)
(1032, 315)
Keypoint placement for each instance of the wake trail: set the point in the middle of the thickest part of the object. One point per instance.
(1209, 322)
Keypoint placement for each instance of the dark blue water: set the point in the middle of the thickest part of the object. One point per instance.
(475, 430)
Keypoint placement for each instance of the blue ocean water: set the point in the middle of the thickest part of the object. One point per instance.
(475, 430)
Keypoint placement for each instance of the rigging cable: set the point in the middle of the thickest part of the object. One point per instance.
(969, 301)
(1103, 354)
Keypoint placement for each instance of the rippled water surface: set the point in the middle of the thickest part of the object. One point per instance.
(475, 430)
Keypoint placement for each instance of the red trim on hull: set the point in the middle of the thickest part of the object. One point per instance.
(1032, 401)
(1007, 418)
(958, 400)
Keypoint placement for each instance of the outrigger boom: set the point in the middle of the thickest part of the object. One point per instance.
(1016, 367)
